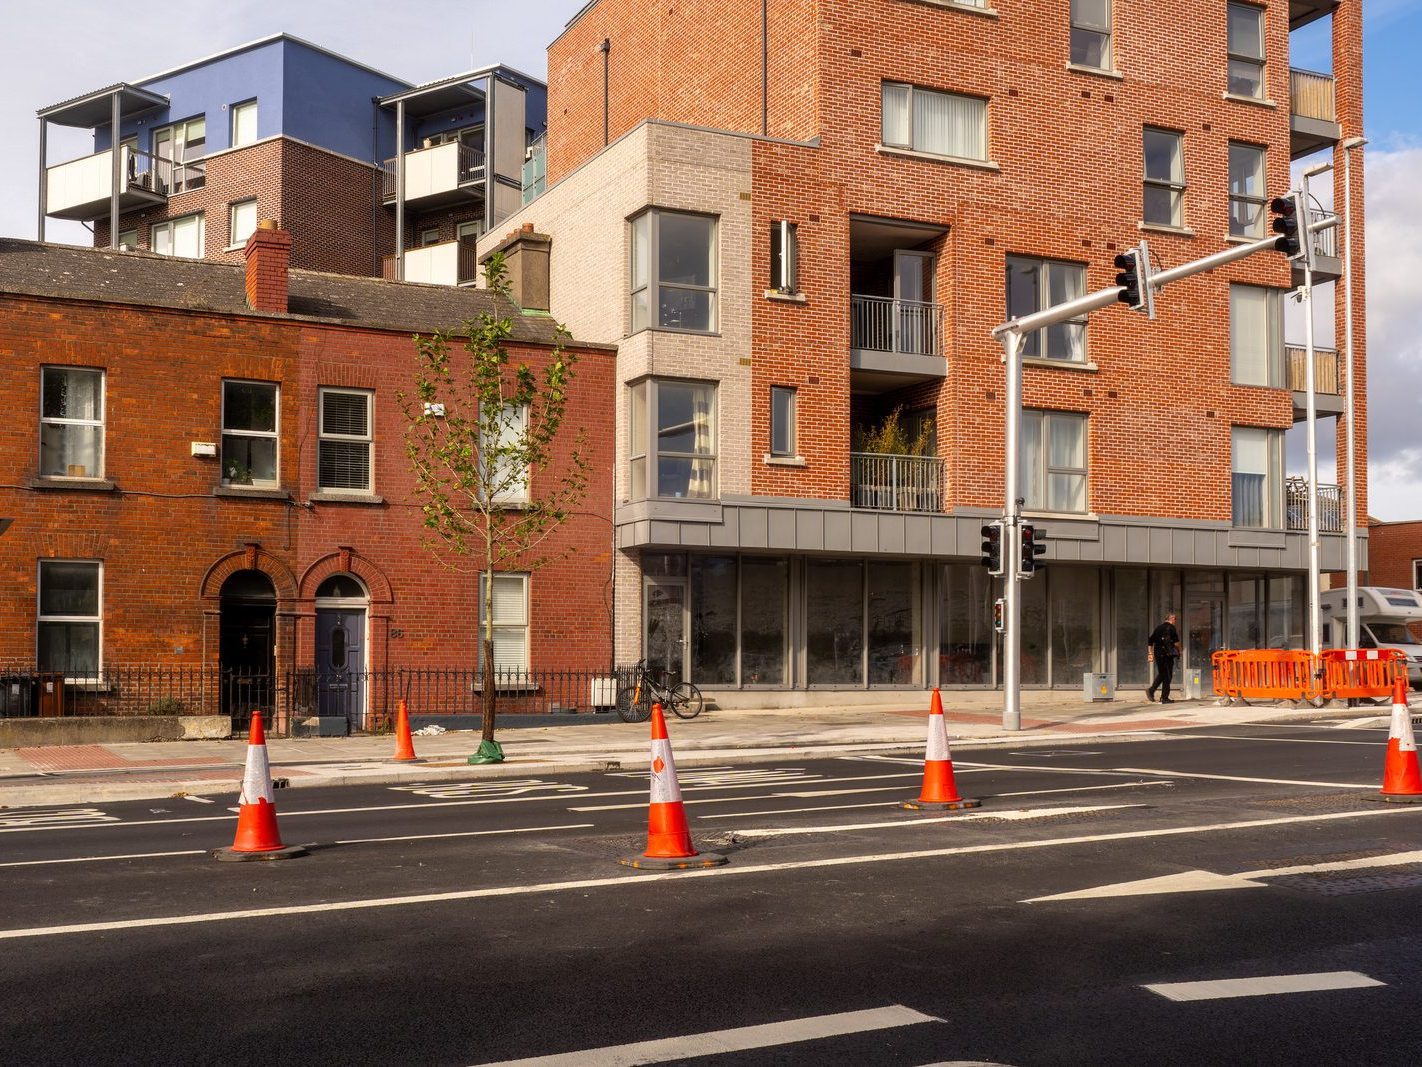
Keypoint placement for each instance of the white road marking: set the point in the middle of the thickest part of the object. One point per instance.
(1263, 987)
(197, 799)
(764, 796)
(517, 787)
(644, 878)
(1259, 781)
(1080, 789)
(1015, 815)
(24, 819)
(796, 811)
(465, 833)
(1198, 881)
(1110, 772)
(740, 1039)
(97, 859)
(1360, 724)
(1285, 740)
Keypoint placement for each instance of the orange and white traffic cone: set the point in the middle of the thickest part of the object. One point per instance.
(1402, 778)
(940, 792)
(257, 834)
(404, 743)
(669, 845)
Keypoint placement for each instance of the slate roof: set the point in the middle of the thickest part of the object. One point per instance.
(144, 279)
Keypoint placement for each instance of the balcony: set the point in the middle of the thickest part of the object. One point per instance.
(1313, 119)
(446, 263)
(1330, 506)
(896, 483)
(437, 177)
(894, 343)
(1327, 379)
(81, 188)
(1302, 12)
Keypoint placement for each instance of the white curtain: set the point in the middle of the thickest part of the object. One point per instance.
(702, 468)
(896, 125)
(1249, 335)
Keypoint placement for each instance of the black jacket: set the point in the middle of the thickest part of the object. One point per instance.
(1164, 640)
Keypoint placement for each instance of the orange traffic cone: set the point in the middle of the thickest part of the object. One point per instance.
(1402, 779)
(940, 792)
(404, 743)
(257, 834)
(669, 845)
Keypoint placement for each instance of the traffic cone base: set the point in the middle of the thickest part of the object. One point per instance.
(940, 791)
(404, 743)
(669, 863)
(669, 846)
(257, 835)
(1402, 776)
(231, 855)
(940, 805)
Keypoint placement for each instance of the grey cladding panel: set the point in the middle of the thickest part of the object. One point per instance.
(727, 533)
(695, 535)
(782, 528)
(837, 531)
(755, 527)
(864, 532)
(891, 534)
(918, 534)
(810, 531)
(665, 533)
(1204, 548)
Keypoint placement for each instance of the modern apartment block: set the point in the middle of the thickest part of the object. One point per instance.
(799, 221)
(282, 128)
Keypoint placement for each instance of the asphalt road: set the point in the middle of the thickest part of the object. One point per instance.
(467, 923)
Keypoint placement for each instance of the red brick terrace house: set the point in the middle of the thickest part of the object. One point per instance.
(205, 468)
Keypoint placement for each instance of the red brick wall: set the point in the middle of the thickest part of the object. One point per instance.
(163, 529)
(1394, 548)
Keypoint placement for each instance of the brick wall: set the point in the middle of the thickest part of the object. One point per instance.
(1394, 551)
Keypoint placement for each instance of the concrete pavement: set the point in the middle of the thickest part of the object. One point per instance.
(77, 774)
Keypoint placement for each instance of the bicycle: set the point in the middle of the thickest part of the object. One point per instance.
(634, 702)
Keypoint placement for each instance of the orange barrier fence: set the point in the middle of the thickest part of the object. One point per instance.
(1286, 674)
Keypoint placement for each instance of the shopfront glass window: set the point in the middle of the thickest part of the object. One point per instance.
(895, 630)
(1133, 626)
(966, 636)
(1035, 637)
(834, 609)
(764, 584)
(1076, 622)
(713, 620)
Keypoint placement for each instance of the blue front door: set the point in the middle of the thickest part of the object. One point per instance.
(340, 664)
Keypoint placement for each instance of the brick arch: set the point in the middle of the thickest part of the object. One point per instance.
(251, 558)
(347, 561)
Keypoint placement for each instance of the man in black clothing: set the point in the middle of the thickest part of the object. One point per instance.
(1164, 646)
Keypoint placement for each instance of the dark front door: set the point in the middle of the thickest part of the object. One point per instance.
(246, 656)
(340, 664)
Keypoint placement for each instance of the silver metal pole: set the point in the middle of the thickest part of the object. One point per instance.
(115, 170)
(400, 190)
(1350, 508)
(1011, 537)
(1314, 624)
(43, 179)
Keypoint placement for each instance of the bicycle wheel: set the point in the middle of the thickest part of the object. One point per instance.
(629, 708)
(685, 700)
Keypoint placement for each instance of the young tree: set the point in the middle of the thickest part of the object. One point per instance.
(480, 438)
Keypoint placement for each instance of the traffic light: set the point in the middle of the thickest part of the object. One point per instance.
(1031, 549)
(999, 615)
(992, 547)
(1291, 224)
(1134, 279)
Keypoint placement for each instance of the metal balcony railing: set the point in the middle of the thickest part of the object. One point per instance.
(908, 327)
(468, 166)
(1330, 506)
(1311, 95)
(895, 483)
(1326, 376)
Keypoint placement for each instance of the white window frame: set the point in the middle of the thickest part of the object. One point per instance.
(791, 418)
(1045, 469)
(1035, 345)
(1417, 574)
(645, 229)
(1257, 203)
(168, 228)
(128, 240)
(96, 620)
(522, 628)
(514, 488)
(1273, 503)
(907, 93)
(650, 455)
(1081, 24)
(238, 113)
(233, 240)
(1174, 184)
(1273, 340)
(368, 438)
(784, 256)
(273, 435)
(1256, 62)
(173, 175)
(427, 235)
(63, 421)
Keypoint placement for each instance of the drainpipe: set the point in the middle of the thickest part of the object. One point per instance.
(605, 48)
(115, 169)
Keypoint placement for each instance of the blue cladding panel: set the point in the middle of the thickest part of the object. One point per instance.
(330, 103)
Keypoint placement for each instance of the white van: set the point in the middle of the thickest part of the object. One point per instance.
(1383, 618)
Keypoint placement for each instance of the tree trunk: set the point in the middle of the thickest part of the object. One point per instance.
(489, 688)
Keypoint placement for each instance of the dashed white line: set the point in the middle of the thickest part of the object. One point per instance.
(1263, 987)
(1240, 778)
(1016, 815)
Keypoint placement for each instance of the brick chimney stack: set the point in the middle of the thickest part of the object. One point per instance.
(527, 255)
(268, 254)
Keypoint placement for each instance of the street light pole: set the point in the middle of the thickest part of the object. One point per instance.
(1350, 509)
(1012, 537)
(1315, 629)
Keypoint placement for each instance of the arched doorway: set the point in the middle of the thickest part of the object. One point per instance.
(247, 645)
(341, 666)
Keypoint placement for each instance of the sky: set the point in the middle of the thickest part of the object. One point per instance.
(58, 49)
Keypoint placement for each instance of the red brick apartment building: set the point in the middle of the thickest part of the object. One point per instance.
(800, 218)
(205, 467)
(1394, 557)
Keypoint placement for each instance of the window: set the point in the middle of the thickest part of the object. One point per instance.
(470, 231)
(429, 236)
(784, 257)
(1091, 33)
(244, 123)
(175, 147)
(1036, 284)
(345, 442)
(510, 618)
(1053, 461)
(242, 221)
(1417, 574)
(1246, 190)
(128, 240)
(71, 423)
(69, 616)
(940, 124)
(182, 237)
(249, 433)
(507, 480)
(1258, 477)
(1164, 177)
(673, 443)
(1256, 336)
(1246, 50)
(673, 271)
(782, 421)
